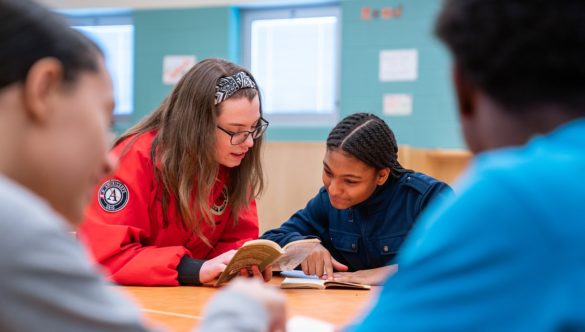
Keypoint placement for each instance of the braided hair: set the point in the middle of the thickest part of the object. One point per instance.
(369, 139)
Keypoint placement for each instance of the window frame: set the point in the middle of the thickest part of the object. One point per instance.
(248, 15)
(97, 18)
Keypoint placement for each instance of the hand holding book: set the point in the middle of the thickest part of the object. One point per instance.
(263, 253)
(255, 272)
(214, 267)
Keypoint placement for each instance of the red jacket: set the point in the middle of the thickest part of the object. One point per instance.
(124, 229)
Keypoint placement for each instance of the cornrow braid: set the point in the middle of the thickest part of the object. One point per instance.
(369, 139)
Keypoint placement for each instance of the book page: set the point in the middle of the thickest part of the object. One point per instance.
(264, 242)
(294, 253)
(343, 284)
(320, 284)
(303, 283)
(297, 274)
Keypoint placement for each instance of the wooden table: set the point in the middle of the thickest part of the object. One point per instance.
(180, 308)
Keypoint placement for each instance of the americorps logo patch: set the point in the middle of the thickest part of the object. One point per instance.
(221, 202)
(113, 196)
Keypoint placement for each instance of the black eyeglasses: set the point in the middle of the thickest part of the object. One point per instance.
(241, 136)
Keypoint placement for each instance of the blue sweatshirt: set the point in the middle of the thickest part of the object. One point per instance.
(367, 235)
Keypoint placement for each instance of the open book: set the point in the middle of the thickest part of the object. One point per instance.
(265, 252)
(319, 284)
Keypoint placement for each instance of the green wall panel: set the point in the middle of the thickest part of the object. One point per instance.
(215, 32)
(203, 32)
(433, 122)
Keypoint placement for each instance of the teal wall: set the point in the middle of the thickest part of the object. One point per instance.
(214, 32)
(206, 33)
(433, 122)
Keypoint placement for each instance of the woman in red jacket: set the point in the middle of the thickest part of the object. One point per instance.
(183, 195)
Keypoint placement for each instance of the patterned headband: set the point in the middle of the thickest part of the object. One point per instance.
(227, 86)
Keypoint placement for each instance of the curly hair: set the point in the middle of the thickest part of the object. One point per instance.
(369, 139)
(521, 53)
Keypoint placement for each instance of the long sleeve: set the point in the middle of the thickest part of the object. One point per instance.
(122, 236)
(235, 235)
(310, 222)
(477, 264)
(47, 283)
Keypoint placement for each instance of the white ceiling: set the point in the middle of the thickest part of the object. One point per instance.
(152, 4)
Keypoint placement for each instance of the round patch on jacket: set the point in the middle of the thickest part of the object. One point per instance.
(221, 202)
(113, 196)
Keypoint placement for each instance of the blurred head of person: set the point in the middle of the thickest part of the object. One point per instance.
(518, 66)
(55, 107)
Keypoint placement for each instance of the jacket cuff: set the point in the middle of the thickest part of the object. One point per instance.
(188, 270)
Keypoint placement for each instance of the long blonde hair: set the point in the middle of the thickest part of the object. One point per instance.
(183, 148)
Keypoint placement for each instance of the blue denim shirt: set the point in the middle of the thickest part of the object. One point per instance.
(369, 234)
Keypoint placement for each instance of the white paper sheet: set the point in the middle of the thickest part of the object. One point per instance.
(398, 65)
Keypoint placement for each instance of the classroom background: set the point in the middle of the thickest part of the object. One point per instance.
(315, 61)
